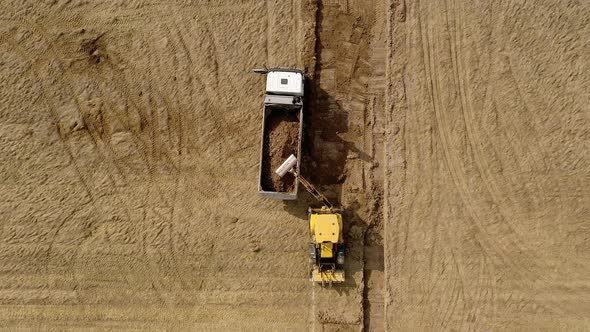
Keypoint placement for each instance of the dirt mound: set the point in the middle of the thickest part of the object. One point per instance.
(281, 141)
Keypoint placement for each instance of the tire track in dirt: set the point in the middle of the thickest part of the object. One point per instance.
(93, 133)
(181, 148)
(454, 293)
(169, 220)
(313, 311)
(66, 145)
(456, 166)
(194, 76)
(493, 236)
(216, 54)
(495, 263)
(462, 70)
(468, 120)
(268, 33)
(96, 140)
(164, 195)
(55, 117)
(147, 202)
(225, 300)
(526, 254)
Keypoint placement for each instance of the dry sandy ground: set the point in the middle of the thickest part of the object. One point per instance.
(455, 134)
(130, 135)
(488, 198)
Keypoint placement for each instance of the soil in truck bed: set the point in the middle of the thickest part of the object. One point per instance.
(281, 139)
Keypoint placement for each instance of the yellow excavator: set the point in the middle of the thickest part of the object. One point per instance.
(326, 248)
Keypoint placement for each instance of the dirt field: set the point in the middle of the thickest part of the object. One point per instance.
(488, 152)
(130, 144)
(455, 134)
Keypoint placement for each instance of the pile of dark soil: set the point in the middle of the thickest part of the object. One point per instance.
(281, 138)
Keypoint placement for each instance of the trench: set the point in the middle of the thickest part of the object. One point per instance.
(335, 131)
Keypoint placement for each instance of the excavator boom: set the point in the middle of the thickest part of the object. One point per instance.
(289, 167)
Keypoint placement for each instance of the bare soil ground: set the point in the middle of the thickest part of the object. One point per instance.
(456, 135)
(487, 202)
(129, 148)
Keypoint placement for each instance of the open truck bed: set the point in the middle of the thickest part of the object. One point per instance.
(282, 129)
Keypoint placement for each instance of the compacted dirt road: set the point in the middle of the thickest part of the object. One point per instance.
(455, 134)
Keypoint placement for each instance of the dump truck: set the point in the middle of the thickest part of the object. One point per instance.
(282, 129)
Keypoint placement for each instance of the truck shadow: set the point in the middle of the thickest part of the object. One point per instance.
(325, 122)
(323, 151)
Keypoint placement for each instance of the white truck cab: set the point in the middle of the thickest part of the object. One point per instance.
(284, 83)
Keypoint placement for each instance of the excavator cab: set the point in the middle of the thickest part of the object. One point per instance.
(326, 248)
